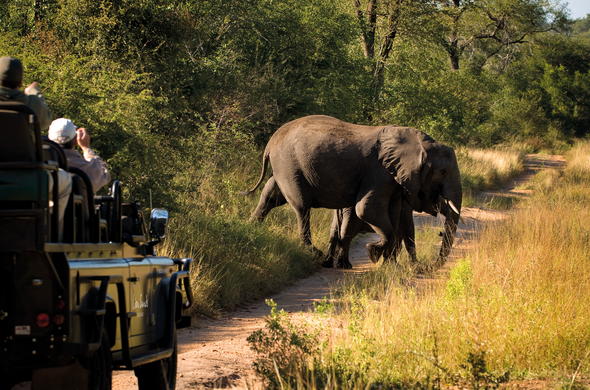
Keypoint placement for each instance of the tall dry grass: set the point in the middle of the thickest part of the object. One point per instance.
(516, 307)
(483, 169)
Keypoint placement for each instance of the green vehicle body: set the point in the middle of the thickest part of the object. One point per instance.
(86, 298)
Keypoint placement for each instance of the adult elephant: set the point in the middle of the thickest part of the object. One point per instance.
(320, 161)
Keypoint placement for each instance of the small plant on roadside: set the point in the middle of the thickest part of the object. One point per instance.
(324, 306)
(459, 280)
(283, 348)
(478, 376)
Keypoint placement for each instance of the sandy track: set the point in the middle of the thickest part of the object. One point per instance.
(215, 353)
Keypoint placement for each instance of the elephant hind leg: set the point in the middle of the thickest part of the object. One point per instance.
(303, 221)
(334, 241)
(270, 198)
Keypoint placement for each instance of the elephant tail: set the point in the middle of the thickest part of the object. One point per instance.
(265, 159)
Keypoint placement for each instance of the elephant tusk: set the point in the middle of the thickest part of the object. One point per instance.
(452, 206)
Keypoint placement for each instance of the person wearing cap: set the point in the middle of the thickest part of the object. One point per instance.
(11, 79)
(64, 132)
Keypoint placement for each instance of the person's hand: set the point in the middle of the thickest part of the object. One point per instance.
(32, 89)
(83, 138)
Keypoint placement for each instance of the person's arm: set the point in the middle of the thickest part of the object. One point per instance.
(37, 103)
(96, 168)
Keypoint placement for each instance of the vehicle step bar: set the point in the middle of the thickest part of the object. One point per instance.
(159, 354)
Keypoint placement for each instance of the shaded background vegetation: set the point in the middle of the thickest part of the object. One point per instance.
(180, 96)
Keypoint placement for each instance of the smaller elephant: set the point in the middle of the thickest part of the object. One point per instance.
(346, 225)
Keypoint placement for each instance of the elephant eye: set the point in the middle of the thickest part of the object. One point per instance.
(443, 172)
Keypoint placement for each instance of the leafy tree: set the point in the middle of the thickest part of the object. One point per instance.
(487, 28)
(581, 27)
(380, 22)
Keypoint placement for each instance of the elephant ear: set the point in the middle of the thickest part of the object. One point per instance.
(403, 156)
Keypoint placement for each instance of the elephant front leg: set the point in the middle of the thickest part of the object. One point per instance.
(345, 226)
(407, 230)
(373, 209)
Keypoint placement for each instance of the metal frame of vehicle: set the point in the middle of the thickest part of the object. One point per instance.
(62, 304)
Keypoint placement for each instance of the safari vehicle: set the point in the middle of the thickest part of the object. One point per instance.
(86, 298)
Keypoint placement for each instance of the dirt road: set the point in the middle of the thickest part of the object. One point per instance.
(215, 354)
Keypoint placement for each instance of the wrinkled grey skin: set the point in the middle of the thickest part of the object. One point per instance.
(319, 161)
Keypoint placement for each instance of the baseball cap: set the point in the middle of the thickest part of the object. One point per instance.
(62, 130)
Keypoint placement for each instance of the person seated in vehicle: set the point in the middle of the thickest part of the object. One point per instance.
(11, 79)
(64, 132)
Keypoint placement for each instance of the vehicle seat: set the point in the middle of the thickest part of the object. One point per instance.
(19, 125)
(53, 152)
(110, 209)
(132, 224)
(24, 181)
(81, 213)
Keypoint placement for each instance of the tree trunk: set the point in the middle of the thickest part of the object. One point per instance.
(368, 26)
(38, 10)
(385, 51)
(454, 54)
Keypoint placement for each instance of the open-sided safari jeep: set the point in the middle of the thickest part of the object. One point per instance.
(80, 300)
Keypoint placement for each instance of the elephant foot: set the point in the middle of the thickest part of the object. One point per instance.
(375, 251)
(440, 260)
(344, 264)
(331, 262)
(255, 218)
(328, 263)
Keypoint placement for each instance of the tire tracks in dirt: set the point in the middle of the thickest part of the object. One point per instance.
(215, 354)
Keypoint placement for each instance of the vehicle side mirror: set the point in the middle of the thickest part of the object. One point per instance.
(158, 221)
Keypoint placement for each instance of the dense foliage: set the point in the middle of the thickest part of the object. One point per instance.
(170, 87)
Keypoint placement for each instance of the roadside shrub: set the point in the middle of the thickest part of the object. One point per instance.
(283, 349)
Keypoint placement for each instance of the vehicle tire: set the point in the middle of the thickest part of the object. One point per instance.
(6, 383)
(160, 375)
(100, 367)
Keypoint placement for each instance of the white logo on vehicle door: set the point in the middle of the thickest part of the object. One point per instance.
(141, 303)
(22, 330)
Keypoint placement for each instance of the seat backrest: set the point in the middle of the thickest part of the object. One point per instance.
(19, 132)
(52, 151)
(81, 185)
(21, 181)
(24, 182)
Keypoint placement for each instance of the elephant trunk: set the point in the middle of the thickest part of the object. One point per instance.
(451, 199)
